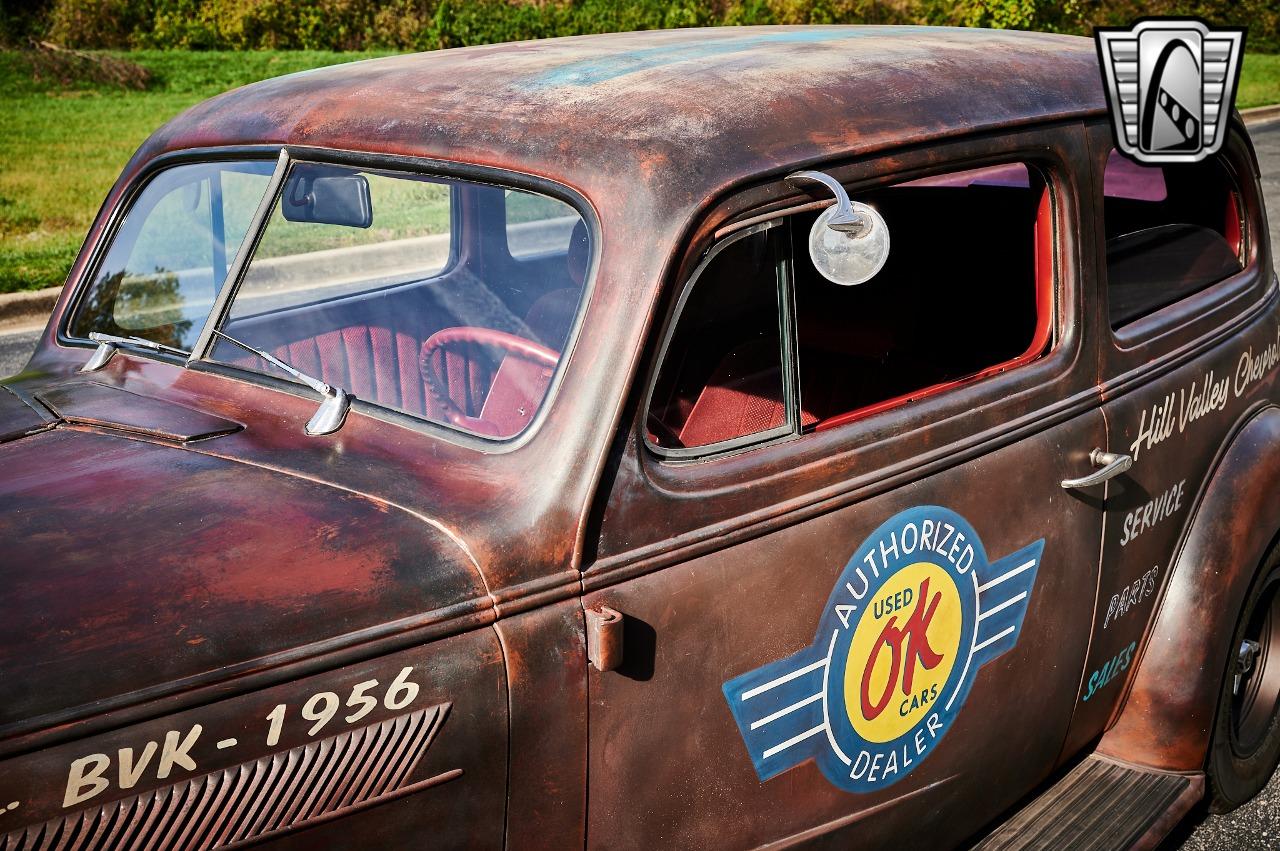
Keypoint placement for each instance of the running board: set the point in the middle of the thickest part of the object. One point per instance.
(1100, 805)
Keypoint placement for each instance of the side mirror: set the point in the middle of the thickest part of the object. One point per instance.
(849, 242)
(328, 199)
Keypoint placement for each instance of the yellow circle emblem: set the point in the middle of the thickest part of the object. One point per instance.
(902, 651)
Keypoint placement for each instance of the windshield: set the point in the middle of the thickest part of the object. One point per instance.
(171, 252)
(447, 300)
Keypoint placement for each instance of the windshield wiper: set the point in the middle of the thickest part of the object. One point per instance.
(332, 412)
(108, 343)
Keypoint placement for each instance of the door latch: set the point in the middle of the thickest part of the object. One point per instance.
(604, 638)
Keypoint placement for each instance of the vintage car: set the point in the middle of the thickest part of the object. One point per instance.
(683, 439)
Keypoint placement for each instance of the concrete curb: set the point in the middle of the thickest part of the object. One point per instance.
(1261, 114)
(27, 308)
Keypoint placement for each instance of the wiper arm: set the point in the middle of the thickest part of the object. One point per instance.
(332, 412)
(108, 343)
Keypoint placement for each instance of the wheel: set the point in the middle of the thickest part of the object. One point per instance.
(1246, 738)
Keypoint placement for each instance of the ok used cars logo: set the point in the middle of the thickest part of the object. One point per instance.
(915, 613)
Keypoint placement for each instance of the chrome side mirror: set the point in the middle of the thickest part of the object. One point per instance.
(849, 241)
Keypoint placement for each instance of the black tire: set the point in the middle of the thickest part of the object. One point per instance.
(1246, 736)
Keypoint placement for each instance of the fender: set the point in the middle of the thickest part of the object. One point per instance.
(1168, 717)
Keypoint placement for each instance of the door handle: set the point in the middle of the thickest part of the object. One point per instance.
(1111, 464)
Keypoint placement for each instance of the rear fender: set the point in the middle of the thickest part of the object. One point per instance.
(1167, 718)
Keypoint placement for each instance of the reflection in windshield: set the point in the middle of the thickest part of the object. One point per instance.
(157, 297)
(172, 251)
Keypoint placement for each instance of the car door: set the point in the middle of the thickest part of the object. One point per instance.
(855, 595)
(1184, 359)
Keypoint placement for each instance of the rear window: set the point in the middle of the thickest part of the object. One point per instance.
(537, 225)
(1171, 232)
(765, 345)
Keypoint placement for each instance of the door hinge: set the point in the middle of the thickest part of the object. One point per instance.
(604, 638)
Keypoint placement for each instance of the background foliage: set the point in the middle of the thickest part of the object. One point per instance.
(69, 119)
(430, 24)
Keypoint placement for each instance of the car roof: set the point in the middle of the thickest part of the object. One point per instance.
(675, 114)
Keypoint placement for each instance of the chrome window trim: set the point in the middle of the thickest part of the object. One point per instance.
(235, 274)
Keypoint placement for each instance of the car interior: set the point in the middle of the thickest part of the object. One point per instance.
(474, 346)
(965, 291)
(1170, 232)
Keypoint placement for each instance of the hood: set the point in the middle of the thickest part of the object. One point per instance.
(17, 418)
(131, 568)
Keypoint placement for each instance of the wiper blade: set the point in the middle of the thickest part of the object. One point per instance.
(314, 383)
(137, 341)
(332, 411)
(107, 344)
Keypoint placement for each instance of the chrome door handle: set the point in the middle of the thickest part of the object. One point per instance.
(1111, 463)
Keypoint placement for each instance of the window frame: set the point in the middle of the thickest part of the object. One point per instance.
(1046, 332)
(1205, 307)
(784, 295)
(497, 178)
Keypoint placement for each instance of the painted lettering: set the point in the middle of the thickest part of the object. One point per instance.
(85, 778)
(1148, 515)
(1108, 673)
(1130, 596)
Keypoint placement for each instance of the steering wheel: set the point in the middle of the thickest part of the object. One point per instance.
(446, 338)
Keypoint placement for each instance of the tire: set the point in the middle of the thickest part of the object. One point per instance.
(1246, 737)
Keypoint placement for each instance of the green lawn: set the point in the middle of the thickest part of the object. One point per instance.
(1259, 80)
(62, 147)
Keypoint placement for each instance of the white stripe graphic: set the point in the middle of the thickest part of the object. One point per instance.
(807, 734)
(993, 639)
(968, 659)
(792, 708)
(785, 678)
(984, 586)
(826, 719)
(1006, 604)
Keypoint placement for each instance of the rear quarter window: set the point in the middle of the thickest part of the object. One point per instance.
(1171, 231)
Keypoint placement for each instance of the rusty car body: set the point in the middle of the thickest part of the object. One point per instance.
(609, 614)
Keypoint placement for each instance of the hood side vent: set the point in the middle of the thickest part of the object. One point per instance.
(93, 404)
(253, 801)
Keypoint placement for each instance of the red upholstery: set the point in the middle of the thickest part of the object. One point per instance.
(743, 396)
(376, 364)
(515, 394)
(551, 316)
(375, 352)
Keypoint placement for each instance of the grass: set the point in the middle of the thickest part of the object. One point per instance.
(1259, 80)
(61, 147)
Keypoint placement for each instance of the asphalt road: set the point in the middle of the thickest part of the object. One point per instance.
(1253, 827)
(15, 348)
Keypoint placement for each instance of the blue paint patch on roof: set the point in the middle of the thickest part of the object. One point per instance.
(589, 72)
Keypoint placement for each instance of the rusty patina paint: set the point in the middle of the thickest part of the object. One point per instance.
(165, 577)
